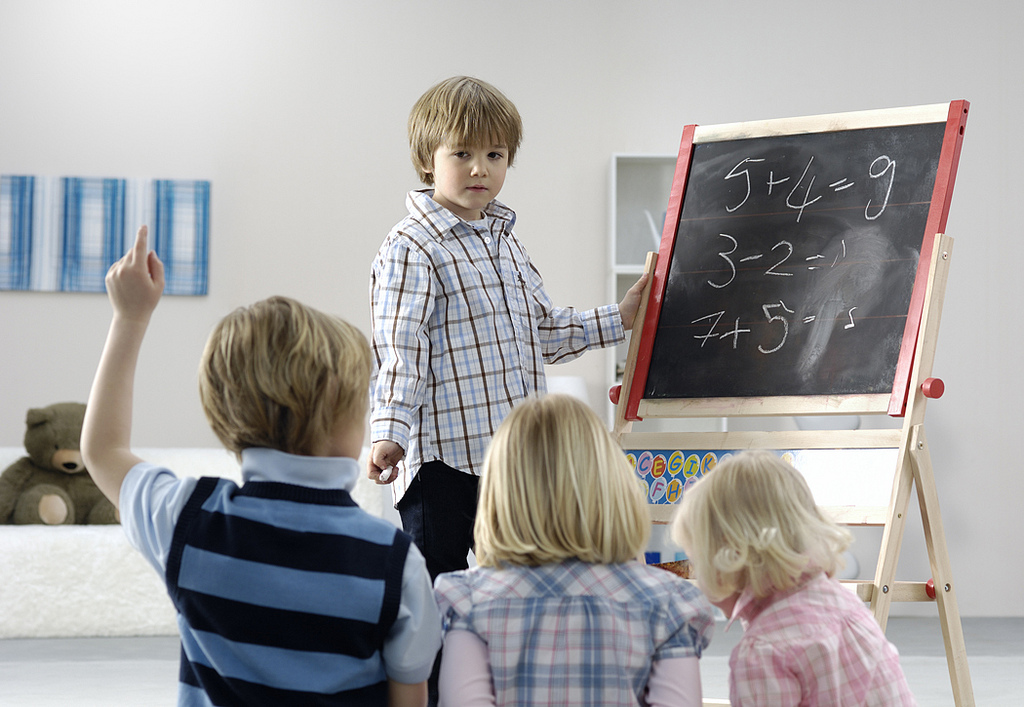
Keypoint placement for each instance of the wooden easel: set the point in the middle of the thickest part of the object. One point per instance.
(913, 466)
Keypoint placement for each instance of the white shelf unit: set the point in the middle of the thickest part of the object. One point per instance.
(640, 186)
(639, 193)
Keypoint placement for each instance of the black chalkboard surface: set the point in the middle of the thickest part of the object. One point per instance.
(792, 266)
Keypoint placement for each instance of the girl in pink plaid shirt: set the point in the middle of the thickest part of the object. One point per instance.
(765, 554)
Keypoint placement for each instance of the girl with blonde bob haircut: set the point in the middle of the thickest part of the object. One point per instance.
(765, 554)
(556, 486)
(558, 610)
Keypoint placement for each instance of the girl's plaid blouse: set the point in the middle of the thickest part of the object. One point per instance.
(575, 633)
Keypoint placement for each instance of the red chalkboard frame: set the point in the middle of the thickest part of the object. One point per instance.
(949, 159)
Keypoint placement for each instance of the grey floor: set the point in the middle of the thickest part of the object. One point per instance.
(139, 672)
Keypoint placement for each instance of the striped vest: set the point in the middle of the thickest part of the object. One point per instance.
(285, 595)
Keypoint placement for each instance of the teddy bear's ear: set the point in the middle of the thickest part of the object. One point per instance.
(38, 416)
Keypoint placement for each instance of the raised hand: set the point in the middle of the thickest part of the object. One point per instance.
(135, 283)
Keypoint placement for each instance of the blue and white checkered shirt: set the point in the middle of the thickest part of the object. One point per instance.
(575, 633)
(462, 328)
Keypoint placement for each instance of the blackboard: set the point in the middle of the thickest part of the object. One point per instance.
(790, 265)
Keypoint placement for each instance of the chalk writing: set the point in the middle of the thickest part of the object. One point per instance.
(800, 196)
(889, 166)
(746, 174)
(786, 245)
(792, 263)
(807, 193)
(777, 319)
(725, 256)
(851, 324)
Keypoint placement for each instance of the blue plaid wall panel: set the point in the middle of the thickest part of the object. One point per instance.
(16, 204)
(63, 234)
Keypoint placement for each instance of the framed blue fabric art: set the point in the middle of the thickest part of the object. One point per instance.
(62, 234)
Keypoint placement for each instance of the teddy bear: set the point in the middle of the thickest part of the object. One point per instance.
(51, 485)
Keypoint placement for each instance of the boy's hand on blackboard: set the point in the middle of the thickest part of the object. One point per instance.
(631, 302)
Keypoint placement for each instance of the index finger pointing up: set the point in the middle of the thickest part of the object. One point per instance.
(142, 242)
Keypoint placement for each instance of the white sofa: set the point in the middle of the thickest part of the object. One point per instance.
(80, 580)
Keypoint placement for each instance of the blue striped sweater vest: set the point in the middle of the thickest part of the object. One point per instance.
(285, 595)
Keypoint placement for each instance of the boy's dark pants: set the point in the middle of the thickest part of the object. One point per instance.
(438, 511)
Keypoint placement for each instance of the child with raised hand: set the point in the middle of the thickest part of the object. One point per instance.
(559, 611)
(286, 591)
(766, 555)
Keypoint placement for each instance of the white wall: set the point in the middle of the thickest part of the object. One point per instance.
(295, 110)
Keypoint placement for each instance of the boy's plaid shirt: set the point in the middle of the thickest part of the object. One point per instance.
(462, 329)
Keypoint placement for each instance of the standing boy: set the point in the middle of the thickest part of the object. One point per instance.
(462, 324)
(286, 591)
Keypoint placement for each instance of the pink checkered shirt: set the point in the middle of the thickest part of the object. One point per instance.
(815, 645)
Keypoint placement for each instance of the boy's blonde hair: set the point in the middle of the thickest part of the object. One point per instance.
(752, 522)
(282, 375)
(555, 486)
(461, 111)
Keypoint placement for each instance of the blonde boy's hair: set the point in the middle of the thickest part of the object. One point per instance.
(461, 111)
(282, 375)
(752, 522)
(555, 486)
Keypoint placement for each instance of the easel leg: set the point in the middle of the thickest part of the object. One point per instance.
(892, 536)
(938, 557)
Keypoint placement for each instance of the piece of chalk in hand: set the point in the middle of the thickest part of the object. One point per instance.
(386, 474)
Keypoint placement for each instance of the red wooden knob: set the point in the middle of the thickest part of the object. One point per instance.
(613, 393)
(933, 388)
(929, 588)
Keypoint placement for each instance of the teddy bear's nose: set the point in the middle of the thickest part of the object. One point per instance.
(68, 460)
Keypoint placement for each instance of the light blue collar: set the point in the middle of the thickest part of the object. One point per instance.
(262, 464)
